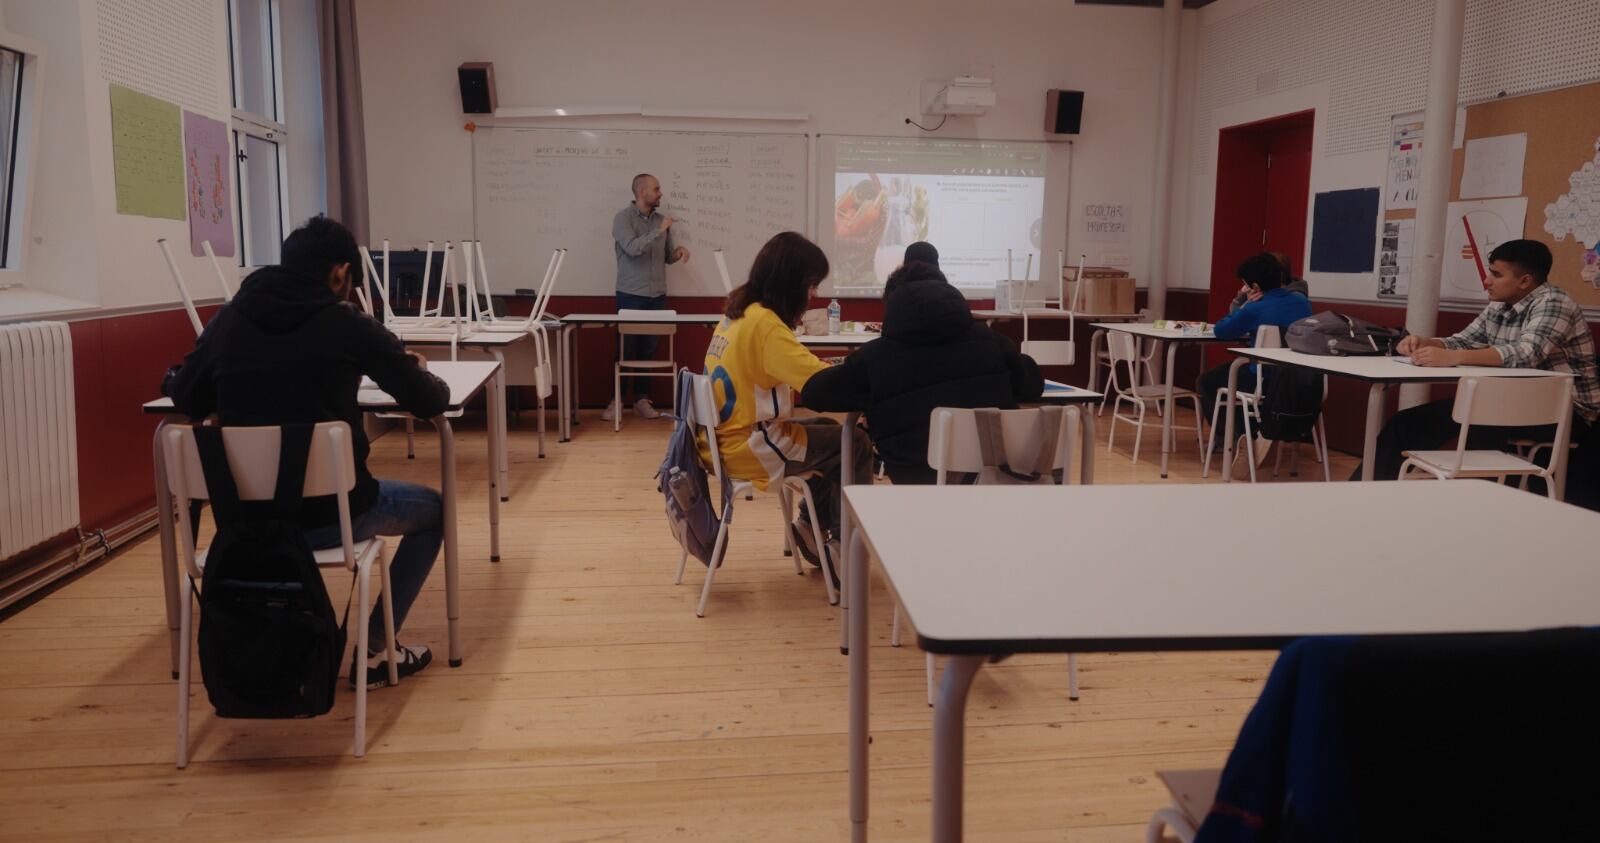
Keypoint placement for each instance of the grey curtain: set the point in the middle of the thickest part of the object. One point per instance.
(342, 123)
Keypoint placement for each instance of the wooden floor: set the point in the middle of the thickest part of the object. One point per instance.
(593, 705)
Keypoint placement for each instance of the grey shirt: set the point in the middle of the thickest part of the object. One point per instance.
(643, 252)
(1293, 285)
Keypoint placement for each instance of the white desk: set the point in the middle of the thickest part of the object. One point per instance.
(466, 380)
(496, 344)
(1092, 595)
(1380, 372)
(854, 339)
(567, 353)
(1172, 339)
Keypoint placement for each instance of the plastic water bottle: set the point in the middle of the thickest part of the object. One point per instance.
(833, 316)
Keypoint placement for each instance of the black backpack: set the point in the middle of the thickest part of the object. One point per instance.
(1291, 403)
(270, 645)
(1335, 334)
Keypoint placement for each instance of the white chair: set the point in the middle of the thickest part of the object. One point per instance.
(253, 459)
(1502, 402)
(1124, 352)
(1267, 336)
(954, 445)
(1147, 354)
(640, 368)
(1192, 793)
(702, 413)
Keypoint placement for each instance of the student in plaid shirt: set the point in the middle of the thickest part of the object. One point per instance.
(1529, 324)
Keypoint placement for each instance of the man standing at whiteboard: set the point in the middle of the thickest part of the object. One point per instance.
(643, 241)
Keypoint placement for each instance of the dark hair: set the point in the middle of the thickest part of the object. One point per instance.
(1262, 271)
(320, 245)
(911, 272)
(921, 251)
(1530, 256)
(781, 278)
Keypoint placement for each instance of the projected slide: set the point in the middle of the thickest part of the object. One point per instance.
(972, 200)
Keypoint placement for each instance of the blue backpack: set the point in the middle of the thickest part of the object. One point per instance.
(683, 482)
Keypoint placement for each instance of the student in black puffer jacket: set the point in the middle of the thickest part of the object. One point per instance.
(932, 354)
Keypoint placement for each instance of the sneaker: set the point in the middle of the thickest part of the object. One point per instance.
(1263, 444)
(412, 660)
(805, 541)
(610, 412)
(645, 410)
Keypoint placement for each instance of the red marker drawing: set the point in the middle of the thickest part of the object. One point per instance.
(1477, 259)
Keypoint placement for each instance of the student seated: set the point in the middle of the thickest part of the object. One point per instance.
(918, 252)
(1529, 324)
(288, 349)
(1248, 294)
(757, 365)
(932, 354)
(1270, 303)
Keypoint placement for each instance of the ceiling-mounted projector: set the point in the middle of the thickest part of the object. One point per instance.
(961, 95)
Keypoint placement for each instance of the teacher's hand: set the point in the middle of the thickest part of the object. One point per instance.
(681, 254)
(666, 223)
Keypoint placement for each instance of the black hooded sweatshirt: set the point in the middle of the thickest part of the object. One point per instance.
(286, 351)
(932, 354)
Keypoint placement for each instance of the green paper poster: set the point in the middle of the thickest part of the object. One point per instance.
(147, 154)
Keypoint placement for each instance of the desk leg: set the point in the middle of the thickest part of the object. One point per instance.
(1086, 471)
(577, 394)
(564, 401)
(499, 427)
(1369, 444)
(452, 552)
(1095, 340)
(165, 524)
(1166, 418)
(950, 746)
(856, 562)
(496, 407)
(1227, 426)
(847, 473)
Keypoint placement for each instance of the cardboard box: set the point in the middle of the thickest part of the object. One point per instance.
(1106, 290)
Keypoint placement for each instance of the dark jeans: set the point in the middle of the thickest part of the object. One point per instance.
(416, 513)
(1215, 379)
(822, 456)
(638, 347)
(1429, 427)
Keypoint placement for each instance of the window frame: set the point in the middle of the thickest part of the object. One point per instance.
(16, 216)
(263, 127)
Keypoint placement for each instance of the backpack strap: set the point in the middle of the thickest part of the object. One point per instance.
(1044, 461)
(224, 493)
(992, 446)
(294, 448)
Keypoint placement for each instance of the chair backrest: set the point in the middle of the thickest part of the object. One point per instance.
(253, 460)
(1268, 336)
(1124, 350)
(1051, 352)
(953, 444)
(722, 271)
(703, 414)
(647, 328)
(1513, 402)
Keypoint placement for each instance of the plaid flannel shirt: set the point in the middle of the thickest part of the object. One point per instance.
(1545, 330)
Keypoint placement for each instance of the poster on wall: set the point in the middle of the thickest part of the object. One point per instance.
(1106, 223)
(1405, 162)
(1344, 228)
(1473, 230)
(146, 154)
(1394, 258)
(205, 164)
(1494, 166)
(1576, 214)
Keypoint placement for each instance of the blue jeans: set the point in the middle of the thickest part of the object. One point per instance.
(638, 347)
(416, 513)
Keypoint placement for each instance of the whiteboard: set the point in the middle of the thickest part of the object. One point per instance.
(536, 190)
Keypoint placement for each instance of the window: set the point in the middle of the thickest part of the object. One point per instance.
(10, 121)
(260, 136)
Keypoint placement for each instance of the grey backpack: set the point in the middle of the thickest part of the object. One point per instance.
(1337, 335)
(683, 482)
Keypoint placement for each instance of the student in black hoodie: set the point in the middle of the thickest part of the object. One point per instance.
(932, 354)
(289, 349)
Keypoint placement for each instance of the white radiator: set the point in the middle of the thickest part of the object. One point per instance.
(38, 435)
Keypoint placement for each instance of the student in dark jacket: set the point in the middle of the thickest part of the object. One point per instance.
(288, 349)
(932, 354)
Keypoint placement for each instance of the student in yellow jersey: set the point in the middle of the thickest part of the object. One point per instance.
(757, 367)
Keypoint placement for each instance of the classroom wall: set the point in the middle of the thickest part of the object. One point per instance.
(855, 68)
(1357, 63)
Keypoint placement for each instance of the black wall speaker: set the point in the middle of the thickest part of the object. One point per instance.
(477, 87)
(1063, 111)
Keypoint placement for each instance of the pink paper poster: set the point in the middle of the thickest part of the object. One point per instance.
(210, 200)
